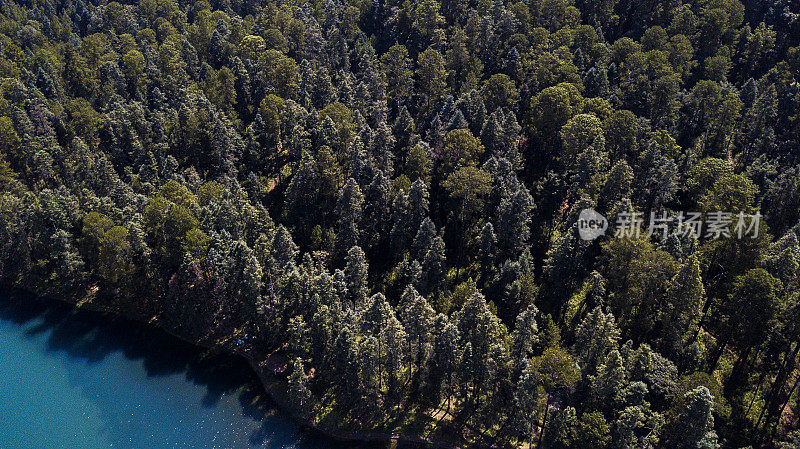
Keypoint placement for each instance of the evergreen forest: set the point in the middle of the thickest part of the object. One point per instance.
(385, 197)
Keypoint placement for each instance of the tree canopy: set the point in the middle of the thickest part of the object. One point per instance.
(388, 195)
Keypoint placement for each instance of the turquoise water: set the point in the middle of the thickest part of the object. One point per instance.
(81, 380)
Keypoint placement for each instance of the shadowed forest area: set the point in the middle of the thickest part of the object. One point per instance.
(89, 339)
(391, 196)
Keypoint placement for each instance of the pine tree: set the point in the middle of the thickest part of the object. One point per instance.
(557, 372)
(419, 205)
(298, 336)
(513, 222)
(68, 262)
(634, 420)
(346, 366)
(695, 424)
(408, 213)
(563, 265)
(396, 67)
(356, 274)
(480, 329)
(595, 336)
(382, 147)
(783, 257)
(617, 184)
(607, 385)
(395, 358)
(487, 250)
(301, 194)
(650, 367)
(250, 289)
(750, 311)
(526, 399)
(359, 163)
(419, 163)
(525, 334)
(417, 317)
(560, 431)
(376, 221)
(593, 432)
(379, 320)
(369, 373)
(323, 326)
(492, 133)
(431, 74)
(349, 212)
(434, 266)
(284, 249)
(424, 239)
(684, 308)
(405, 131)
(299, 394)
(443, 364)
(657, 177)
(409, 272)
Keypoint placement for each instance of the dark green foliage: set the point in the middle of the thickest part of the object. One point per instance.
(388, 194)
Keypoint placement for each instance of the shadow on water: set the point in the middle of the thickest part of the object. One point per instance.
(92, 336)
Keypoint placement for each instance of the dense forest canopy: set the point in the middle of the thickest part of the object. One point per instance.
(388, 194)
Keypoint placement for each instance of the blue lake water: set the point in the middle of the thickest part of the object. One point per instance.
(80, 380)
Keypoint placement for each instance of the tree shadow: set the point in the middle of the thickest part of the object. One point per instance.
(92, 336)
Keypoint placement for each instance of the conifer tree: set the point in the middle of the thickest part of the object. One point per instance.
(417, 317)
(299, 393)
(356, 275)
(694, 427)
(349, 210)
(611, 378)
(686, 297)
(595, 336)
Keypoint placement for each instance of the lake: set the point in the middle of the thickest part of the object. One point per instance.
(78, 379)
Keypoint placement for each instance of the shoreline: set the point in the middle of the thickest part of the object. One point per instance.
(266, 379)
